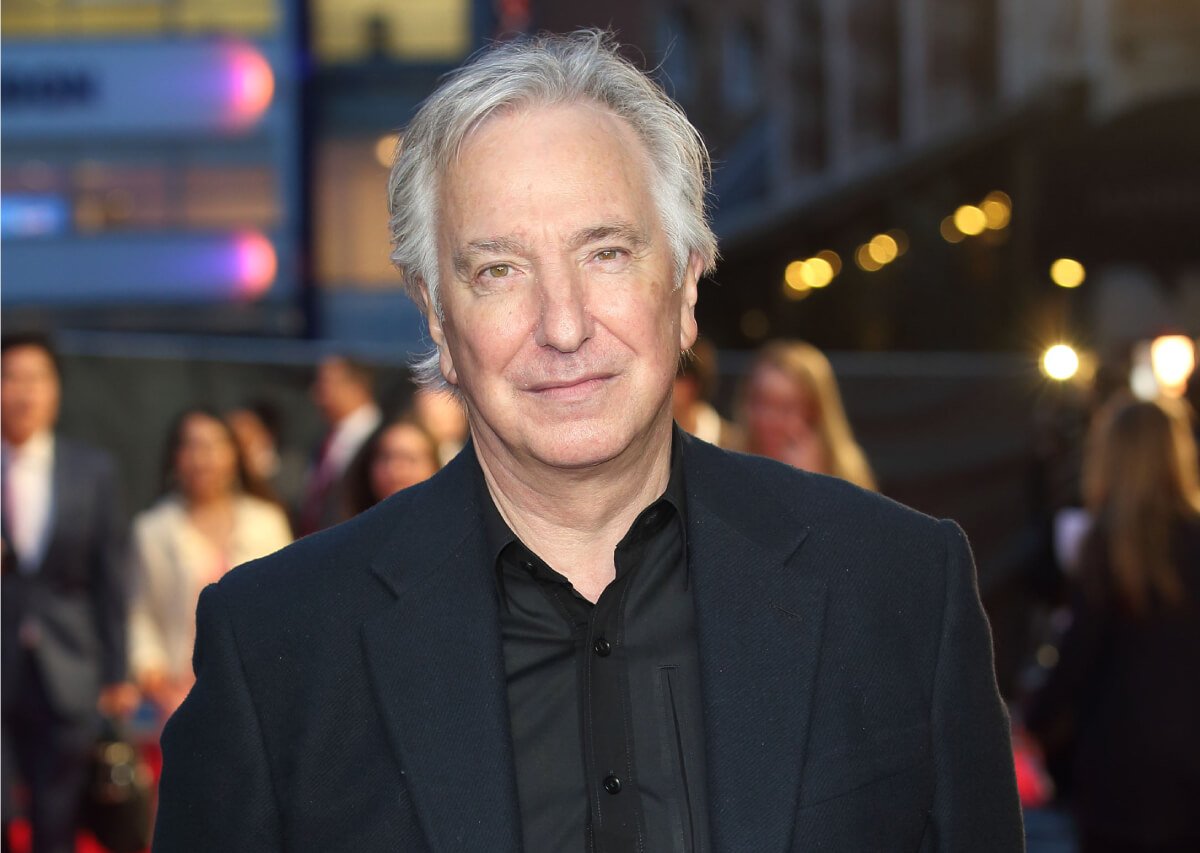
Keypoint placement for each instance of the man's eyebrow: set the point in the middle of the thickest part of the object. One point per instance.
(490, 246)
(625, 232)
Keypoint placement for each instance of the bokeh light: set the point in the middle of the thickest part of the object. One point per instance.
(949, 231)
(883, 249)
(862, 257)
(1173, 358)
(970, 220)
(997, 210)
(1060, 362)
(833, 259)
(251, 84)
(817, 272)
(793, 277)
(257, 264)
(1067, 272)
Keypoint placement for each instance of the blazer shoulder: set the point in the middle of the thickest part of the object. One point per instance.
(412, 530)
(83, 459)
(761, 491)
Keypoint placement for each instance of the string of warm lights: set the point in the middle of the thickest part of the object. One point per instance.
(801, 277)
(1161, 366)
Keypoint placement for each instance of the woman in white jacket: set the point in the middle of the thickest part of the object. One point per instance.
(211, 518)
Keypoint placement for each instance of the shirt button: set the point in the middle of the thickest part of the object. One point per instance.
(612, 784)
(603, 648)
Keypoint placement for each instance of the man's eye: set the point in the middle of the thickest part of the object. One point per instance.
(497, 271)
(608, 254)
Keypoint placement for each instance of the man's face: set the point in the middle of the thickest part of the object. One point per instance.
(29, 393)
(562, 322)
(334, 390)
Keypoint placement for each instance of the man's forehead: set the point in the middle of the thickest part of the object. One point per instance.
(27, 356)
(533, 111)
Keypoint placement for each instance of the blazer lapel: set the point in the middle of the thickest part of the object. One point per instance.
(63, 502)
(759, 621)
(437, 668)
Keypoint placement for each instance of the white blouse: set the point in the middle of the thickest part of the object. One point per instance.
(173, 561)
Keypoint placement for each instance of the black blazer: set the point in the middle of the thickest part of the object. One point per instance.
(76, 600)
(350, 689)
(1125, 700)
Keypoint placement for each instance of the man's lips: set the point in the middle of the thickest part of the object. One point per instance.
(555, 387)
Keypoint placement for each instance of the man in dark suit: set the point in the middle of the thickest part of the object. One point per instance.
(589, 631)
(342, 390)
(63, 594)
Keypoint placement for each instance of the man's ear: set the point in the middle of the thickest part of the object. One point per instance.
(689, 293)
(437, 332)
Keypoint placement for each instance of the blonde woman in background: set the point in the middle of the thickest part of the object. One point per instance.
(212, 518)
(793, 413)
(1124, 700)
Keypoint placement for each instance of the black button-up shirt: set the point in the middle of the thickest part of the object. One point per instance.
(604, 699)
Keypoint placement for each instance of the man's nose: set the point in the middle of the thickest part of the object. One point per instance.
(565, 321)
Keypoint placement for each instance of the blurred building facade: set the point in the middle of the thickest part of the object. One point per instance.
(151, 164)
(212, 166)
(835, 120)
(219, 166)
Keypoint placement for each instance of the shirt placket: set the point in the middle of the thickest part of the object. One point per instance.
(617, 820)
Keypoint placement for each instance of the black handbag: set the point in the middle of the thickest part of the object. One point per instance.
(118, 802)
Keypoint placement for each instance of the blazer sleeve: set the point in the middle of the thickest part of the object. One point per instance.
(975, 804)
(216, 791)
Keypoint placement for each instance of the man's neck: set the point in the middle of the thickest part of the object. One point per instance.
(28, 442)
(574, 518)
(351, 413)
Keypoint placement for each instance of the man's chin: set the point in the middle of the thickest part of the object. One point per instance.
(578, 446)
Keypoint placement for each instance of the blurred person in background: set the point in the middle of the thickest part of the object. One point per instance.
(695, 386)
(792, 412)
(211, 518)
(401, 453)
(343, 392)
(443, 415)
(258, 427)
(1125, 695)
(64, 597)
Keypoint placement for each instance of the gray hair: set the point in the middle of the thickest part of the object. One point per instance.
(548, 70)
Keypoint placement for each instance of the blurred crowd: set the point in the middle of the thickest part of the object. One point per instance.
(100, 618)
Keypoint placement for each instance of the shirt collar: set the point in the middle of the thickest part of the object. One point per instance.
(39, 448)
(499, 535)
